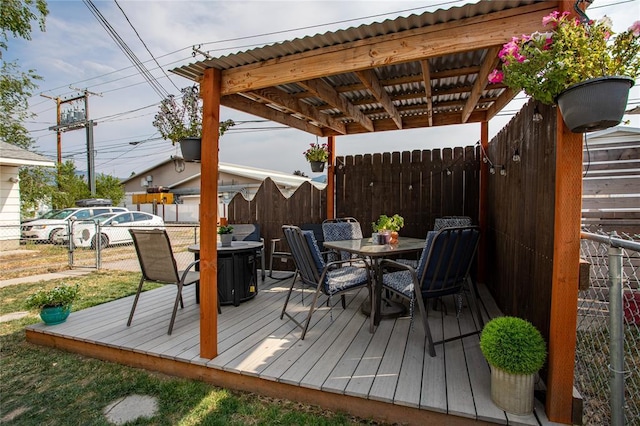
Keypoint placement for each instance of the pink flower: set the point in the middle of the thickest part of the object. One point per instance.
(510, 49)
(496, 76)
(635, 28)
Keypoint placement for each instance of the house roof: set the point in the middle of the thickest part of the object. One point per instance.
(12, 155)
(279, 178)
(411, 72)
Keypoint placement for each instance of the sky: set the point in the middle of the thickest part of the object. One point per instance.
(76, 53)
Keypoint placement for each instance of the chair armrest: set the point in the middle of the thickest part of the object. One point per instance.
(191, 265)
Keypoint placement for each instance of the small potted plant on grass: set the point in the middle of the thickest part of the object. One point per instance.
(388, 226)
(180, 120)
(317, 155)
(516, 351)
(54, 304)
(577, 63)
(226, 235)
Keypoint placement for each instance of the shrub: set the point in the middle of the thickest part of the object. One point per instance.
(513, 345)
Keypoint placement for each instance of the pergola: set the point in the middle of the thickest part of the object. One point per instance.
(415, 72)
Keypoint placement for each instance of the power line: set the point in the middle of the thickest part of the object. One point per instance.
(144, 44)
(155, 85)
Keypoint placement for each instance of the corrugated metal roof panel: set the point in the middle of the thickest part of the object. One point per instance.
(298, 45)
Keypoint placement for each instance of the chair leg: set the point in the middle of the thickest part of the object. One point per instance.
(311, 309)
(476, 300)
(286, 301)
(263, 263)
(425, 323)
(371, 308)
(135, 301)
(175, 307)
(344, 301)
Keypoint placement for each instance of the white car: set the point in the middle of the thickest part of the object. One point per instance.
(113, 228)
(54, 229)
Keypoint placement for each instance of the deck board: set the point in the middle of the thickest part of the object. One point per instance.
(338, 356)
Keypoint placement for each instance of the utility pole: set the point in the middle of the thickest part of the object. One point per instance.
(74, 120)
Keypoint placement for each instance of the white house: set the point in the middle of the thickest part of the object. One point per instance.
(11, 159)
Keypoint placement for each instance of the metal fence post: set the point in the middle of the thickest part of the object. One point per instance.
(617, 335)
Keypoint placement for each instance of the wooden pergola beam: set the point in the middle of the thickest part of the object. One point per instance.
(294, 105)
(328, 94)
(490, 61)
(412, 45)
(260, 110)
(371, 82)
(426, 78)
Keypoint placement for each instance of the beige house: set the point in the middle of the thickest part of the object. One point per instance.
(11, 159)
(166, 185)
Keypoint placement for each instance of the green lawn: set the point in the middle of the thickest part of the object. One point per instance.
(45, 386)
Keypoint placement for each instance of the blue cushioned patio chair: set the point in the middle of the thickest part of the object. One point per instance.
(159, 265)
(443, 269)
(329, 278)
(345, 228)
(451, 221)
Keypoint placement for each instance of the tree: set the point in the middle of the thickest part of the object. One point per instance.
(17, 86)
(71, 187)
(35, 189)
(16, 17)
(299, 173)
(109, 187)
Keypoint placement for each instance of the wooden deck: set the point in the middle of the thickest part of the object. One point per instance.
(387, 375)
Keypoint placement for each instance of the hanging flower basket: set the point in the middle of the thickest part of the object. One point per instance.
(317, 166)
(191, 149)
(595, 104)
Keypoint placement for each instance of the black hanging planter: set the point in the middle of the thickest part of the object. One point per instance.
(191, 149)
(317, 166)
(595, 104)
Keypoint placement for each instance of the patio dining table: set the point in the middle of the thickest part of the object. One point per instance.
(365, 247)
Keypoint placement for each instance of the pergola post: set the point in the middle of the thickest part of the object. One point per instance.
(210, 93)
(331, 196)
(565, 275)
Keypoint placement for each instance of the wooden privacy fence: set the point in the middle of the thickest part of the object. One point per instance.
(418, 185)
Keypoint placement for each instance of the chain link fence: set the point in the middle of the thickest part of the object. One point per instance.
(593, 371)
(32, 258)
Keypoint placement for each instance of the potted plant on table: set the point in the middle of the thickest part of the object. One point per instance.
(578, 64)
(388, 226)
(54, 304)
(317, 155)
(226, 235)
(516, 351)
(180, 120)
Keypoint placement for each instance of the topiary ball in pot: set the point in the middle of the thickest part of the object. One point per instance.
(516, 351)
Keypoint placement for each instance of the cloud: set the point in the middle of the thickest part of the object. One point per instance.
(77, 51)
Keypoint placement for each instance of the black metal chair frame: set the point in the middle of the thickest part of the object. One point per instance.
(448, 264)
(286, 255)
(158, 265)
(311, 276)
